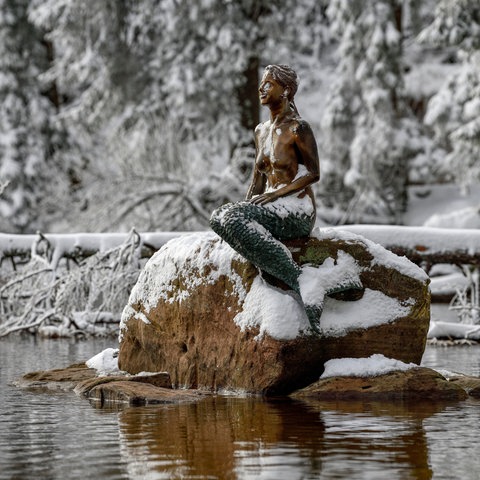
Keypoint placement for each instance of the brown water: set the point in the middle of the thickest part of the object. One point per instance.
(61, 436)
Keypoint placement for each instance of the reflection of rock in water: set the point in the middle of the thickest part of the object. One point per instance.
(221, 436)
(390, 433)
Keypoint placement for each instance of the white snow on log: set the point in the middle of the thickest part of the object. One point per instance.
(433, 240)
(373, 366)
(453, 330)
(448, 284)
(69, 244)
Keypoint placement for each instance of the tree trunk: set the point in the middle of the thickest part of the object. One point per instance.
(247, 95)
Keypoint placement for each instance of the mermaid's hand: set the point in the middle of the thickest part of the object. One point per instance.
(264, 198)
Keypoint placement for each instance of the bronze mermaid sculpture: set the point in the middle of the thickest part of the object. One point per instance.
(280, 203)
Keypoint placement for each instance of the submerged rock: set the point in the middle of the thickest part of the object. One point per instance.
(470, 384)
(57, 379)
(206, 315)
(139, 394)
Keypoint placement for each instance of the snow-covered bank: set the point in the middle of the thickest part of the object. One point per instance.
(454, 330)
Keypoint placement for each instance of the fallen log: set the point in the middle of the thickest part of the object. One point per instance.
(424, 246)
(75, 246)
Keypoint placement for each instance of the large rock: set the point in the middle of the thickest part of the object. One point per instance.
(205, 315)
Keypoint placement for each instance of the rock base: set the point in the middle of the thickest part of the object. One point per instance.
(416, 383)
(110, 390)
(207, 316)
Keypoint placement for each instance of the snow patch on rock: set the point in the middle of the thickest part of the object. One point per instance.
(374, 308)
(381, 256)
(202, 258)
(373, 366)
(275, 312)
(105, 362)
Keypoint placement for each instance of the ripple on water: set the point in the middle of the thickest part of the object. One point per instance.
(60, 436)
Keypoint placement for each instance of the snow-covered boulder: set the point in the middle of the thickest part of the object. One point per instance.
(358, 379)
(205, 315)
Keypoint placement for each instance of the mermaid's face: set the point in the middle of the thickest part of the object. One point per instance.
(270, 91)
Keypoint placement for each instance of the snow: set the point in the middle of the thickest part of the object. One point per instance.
(453, 330)
(375, 238)
(275, 312)
(264, 306)
(448, 284)
(374, 308)
(433, 240)
(372, 366)
(426, 200)
(105, 362)
(315, 282)
(199, 252)
(468, 217)
(428, 77)
(282, 316)
(285, 206)
(67, 244)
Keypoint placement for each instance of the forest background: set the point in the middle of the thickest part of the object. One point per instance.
(122, 113)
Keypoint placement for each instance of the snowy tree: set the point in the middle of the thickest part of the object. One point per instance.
(454, 112)
(167, 92)
(26, 136)
(366, 164)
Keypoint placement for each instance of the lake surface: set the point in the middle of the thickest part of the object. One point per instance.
(62, 436)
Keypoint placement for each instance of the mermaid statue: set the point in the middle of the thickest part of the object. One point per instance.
(280, 203)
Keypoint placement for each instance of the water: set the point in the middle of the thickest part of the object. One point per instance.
(62, 436)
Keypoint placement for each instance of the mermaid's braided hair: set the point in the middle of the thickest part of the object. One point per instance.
(287, 78)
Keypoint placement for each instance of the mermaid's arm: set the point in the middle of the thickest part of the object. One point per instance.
(257, 185)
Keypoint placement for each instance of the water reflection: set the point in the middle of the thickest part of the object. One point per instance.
(247, 438)
(59, 435)
(376, 437)
(222, 437)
